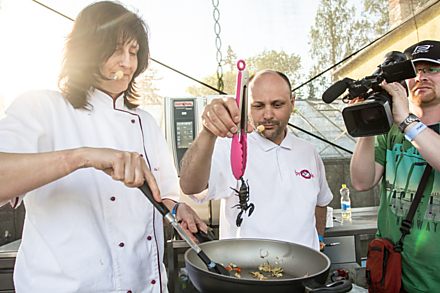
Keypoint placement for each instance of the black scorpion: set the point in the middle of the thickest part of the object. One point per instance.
(243, 196)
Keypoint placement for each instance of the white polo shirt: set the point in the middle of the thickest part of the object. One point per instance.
(86, 232)
(286, 183)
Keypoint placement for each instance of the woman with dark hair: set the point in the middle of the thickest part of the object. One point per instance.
(98, 32)
(86, 231)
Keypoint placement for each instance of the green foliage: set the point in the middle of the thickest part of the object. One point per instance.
(331, 37)
(376, 17)
(337, 33)
(280, 61)
(229, 82)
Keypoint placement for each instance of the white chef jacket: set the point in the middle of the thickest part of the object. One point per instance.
(86, 232)
(286, 183)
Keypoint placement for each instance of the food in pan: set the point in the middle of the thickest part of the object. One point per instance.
(233, 267)
(258, 275)
(276, 271)
(263, 256)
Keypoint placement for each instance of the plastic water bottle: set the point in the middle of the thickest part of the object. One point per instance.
(345, 202)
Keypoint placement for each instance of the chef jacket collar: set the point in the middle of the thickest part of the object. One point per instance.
(266, 145)
(98, 97)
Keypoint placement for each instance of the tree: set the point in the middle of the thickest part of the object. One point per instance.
(280, 61)
(375, 17)
(229, 83)
(330, 35)
(337, 32)
(230, 59)
(147, 89)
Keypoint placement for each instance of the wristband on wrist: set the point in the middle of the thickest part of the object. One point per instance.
(320, 238)
(413, 132)
(175, 208)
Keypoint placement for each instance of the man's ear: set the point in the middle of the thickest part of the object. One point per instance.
(292, 102)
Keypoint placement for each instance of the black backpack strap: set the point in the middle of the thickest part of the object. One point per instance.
(406, 224)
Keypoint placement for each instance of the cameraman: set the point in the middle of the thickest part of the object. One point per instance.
(400, 157)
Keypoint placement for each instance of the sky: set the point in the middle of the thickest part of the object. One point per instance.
(181, 36)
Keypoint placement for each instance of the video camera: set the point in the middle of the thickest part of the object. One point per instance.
(373, 116)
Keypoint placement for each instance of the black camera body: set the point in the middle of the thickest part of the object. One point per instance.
(373, 116)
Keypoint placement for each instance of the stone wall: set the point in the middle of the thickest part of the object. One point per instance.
(11, 223)
(338, 173)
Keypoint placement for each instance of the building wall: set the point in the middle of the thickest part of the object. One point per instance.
(424, 26)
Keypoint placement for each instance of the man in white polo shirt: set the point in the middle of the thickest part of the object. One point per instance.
(285, 174)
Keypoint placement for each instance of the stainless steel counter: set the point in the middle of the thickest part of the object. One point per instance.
(363, 222)
(8, 252)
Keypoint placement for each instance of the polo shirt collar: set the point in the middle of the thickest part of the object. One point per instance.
(266, 145)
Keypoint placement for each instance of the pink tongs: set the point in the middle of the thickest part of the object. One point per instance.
(239, 141)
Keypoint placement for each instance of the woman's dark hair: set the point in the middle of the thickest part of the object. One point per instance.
(97, 31)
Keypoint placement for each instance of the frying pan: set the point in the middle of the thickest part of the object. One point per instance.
(305, 270)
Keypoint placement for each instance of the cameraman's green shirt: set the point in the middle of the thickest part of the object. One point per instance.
(404, 167)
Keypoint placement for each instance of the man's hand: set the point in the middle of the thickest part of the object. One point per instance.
(221, 116)
(400, 101)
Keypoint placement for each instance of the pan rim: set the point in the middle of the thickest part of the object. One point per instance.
(254, 281)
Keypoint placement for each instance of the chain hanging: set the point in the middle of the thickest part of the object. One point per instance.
(218, 44)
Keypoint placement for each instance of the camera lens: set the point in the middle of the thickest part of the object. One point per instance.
(370, 115)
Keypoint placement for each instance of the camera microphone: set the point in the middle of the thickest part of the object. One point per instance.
(337, 89)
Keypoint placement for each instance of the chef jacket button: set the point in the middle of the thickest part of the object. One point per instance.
(112, 198)
(141, 155)
(149, 238)
(153, 282)
(121, 244)
(133, 121)
(129, 291)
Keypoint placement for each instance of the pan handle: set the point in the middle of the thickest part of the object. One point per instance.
(202, 236)
(339, 287)
(160, 206)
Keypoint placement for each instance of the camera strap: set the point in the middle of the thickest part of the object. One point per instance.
(406, 224)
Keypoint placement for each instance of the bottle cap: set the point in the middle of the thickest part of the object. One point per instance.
(343, 185)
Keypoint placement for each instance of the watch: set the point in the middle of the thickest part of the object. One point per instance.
(410, 119)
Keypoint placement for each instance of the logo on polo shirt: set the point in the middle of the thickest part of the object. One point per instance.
(304, 174)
